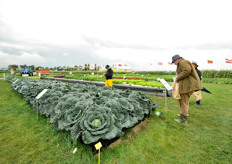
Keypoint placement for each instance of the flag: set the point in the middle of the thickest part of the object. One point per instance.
(119, 65)
(210, 61)
(160, 63)
(170, 63)
(125, 65)
(228, 61)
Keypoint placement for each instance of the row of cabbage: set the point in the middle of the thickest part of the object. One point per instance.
(90, 113)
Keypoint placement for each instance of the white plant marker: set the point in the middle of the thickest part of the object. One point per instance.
(41, 93)
(15, 81)
(38, 97)
(74, 151)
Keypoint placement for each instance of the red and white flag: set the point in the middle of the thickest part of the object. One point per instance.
(228, 61)
(210, 61)
(160, 63)
(170, 63)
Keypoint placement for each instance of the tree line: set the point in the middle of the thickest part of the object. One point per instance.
(86, 67)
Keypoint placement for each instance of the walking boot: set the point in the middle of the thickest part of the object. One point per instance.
(183, 119)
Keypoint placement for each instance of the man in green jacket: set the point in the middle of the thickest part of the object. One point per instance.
(189, 82)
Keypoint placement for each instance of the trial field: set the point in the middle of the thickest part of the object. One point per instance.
(206, 139)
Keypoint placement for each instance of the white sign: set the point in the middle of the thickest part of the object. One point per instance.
(12, 71)
(25, 75)
(167, 86)
(174, 79)
(74, 151)
(41, 94)
(15, 81)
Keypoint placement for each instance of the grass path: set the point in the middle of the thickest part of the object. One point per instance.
(24, 139)
(206, 139)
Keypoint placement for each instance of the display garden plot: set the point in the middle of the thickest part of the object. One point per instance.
(90, 113)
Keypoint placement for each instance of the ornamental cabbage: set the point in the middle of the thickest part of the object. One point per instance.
(90, 113)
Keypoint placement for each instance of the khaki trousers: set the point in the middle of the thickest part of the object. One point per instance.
(184, 103)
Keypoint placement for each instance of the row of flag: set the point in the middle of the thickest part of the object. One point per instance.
(160, 63)
(101, 66)
(209, 62)
(226, 60)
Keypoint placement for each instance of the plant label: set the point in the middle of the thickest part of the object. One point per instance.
(41, 94)
(74, 151)
(15, 81)
(98, 145)
(166, 85)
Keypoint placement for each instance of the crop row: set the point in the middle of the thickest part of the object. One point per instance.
(216, 74)
(218, 80)
(90, 113)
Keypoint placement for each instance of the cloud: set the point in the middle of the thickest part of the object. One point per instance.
(98, 43)
(23, 58)
(65, 54)
(212, 46)
(135, 33)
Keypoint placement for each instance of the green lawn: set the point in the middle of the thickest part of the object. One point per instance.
(206, 139)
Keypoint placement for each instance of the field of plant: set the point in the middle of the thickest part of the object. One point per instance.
(206, 139)
(140, 78)
(90, 113)
(119, 78)
(216, 74)
(148, 78)
(98, 76)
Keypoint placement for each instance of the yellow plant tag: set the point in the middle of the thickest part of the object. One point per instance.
(98, 145)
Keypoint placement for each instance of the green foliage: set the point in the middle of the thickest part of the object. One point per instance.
(98, 122)
(216, 74)
(218, 80)
(26, 139)
(157, 72)
(89, 112)
(151, 80)
(139, 82)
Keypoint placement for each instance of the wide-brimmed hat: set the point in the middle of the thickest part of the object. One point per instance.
(175, 57)
(193, 62)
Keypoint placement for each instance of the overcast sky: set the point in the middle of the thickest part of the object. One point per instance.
(138, 33)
